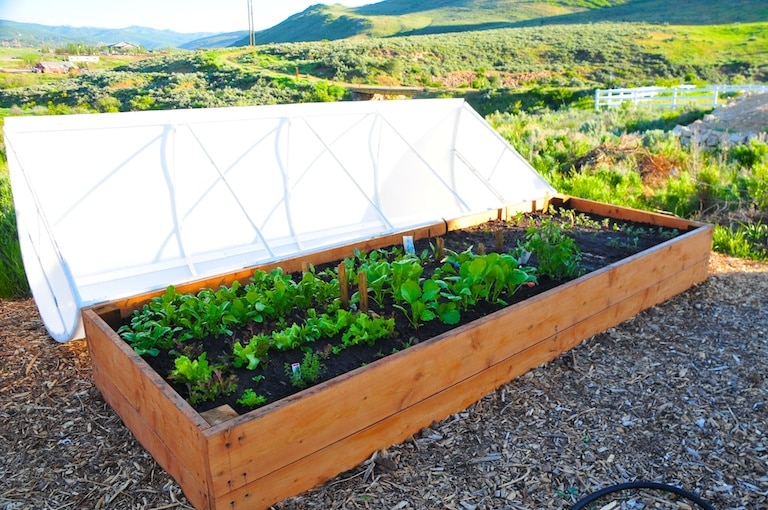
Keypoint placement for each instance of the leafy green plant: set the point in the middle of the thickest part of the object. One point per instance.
(558, 255)
(421, 301)
(251, 399)
(404, 270)
(252, 354)
(203, 381)
(366, 328)
(292, 337)
(148, 336)
(378, 275)
(749, 241)
(472, 278)
(154, 326)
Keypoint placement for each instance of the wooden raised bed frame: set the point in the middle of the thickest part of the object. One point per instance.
(259, 458)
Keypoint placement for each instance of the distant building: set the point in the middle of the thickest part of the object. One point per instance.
(56, 67)
(122, 47)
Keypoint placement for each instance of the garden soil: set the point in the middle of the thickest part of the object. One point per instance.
(601, 243)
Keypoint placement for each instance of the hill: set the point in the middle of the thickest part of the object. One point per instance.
(400, 17)
(32, 35)
(391, 18)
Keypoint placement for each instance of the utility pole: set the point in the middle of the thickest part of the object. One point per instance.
(251, 33)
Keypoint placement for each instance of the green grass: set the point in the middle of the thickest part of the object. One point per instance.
(13, 280)
(734, 44)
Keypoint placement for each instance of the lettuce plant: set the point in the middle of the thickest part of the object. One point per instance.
(203, 381)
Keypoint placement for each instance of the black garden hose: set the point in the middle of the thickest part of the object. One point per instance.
(583, 502)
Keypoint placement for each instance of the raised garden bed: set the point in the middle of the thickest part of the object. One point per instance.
(251, 460)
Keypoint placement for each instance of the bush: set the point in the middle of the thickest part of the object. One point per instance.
(749, 156)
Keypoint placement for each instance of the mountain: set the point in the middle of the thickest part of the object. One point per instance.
(216, 41)
(33, 34)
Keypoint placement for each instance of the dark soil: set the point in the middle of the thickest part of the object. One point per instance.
(602, 242)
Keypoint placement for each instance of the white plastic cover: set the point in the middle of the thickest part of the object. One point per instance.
(114, 205)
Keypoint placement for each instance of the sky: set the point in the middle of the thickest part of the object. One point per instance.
(184, 16)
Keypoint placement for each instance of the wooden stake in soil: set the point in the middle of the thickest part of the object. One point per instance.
(499, 238)
(362, 283)
(343, 286)
(440, 243)
(545, 206)
(480, 249)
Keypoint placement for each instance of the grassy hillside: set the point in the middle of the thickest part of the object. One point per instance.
(314, 24)
(677, 12)
(403, 17)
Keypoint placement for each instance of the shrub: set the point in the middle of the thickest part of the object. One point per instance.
(749, 156)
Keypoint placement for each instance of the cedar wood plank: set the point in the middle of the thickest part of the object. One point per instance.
(157, 416)
(194, 484)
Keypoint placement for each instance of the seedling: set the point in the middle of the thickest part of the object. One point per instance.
(558, 255)
(307, 373)
(251, 399)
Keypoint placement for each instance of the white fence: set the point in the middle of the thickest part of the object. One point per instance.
(683, 95)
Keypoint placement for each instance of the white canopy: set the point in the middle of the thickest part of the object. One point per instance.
(114, 205)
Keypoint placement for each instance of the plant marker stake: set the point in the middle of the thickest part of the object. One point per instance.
(408, 245)
(343, 286)
(440, 248)
(480, 249)
(362, 283)
(499, 237)
(305, 267)
(296, 369)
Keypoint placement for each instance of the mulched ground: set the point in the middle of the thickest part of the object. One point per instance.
(676, 395)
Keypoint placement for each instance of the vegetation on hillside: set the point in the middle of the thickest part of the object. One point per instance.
(392, 18)
(557, 64)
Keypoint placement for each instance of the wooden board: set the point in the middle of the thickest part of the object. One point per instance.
(261, 457)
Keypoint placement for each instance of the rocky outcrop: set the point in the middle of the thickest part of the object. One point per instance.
(739, 122)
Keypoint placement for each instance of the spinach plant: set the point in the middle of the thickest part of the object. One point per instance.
(421, 301)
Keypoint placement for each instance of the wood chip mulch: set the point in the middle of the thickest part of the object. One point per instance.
(675, 395)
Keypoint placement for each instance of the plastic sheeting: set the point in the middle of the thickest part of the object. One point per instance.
(115, 205)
